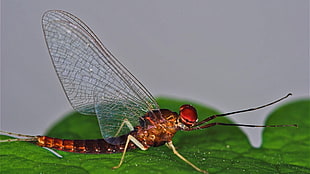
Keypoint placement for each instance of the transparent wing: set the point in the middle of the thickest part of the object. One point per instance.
(94, 81)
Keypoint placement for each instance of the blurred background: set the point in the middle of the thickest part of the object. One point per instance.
(226, 54)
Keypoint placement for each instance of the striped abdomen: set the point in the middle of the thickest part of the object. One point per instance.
(86, 146)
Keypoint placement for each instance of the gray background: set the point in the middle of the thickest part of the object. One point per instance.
(227, 54)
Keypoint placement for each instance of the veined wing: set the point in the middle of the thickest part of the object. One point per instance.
(94, 81)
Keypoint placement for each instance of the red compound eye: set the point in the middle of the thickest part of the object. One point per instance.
(188, 115)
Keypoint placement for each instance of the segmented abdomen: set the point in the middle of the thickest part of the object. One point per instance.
(84, 146)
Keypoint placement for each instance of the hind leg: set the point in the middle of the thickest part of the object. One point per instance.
(136, 142)
(128, 124)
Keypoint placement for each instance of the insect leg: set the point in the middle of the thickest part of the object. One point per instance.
(128, 124)
(171, 146)
(240, 111)
(136, 142)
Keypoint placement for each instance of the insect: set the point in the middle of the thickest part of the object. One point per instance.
(96, 83)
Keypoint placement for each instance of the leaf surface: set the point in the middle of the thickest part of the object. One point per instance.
(218, 149)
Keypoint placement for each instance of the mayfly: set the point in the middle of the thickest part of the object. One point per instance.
(96, 83)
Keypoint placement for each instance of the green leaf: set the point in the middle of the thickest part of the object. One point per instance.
(218, 149)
